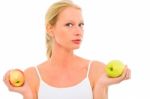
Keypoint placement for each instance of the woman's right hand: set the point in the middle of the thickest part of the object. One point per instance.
(25, 89)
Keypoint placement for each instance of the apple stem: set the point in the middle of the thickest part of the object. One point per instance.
(17, 81)
(111, 68)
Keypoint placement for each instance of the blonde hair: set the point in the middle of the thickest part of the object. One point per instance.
(51, 18)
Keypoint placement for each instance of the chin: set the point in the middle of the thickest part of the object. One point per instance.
(76, 47)
(73, 47)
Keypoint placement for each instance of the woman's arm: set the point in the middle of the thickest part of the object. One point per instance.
(100, 92)
(32, 79)
(28, 96)
(102, 81)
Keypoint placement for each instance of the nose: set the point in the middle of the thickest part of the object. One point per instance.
(77, 34)
(78, 31)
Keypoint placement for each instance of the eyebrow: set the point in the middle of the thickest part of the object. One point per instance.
(73, 21)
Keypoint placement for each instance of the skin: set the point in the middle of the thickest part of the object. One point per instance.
(64, 68)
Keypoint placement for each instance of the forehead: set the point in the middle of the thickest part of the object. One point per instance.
(70, 13)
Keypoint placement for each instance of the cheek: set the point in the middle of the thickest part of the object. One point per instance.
(61, 36)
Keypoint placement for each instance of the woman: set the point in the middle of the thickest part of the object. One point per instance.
(65, 75)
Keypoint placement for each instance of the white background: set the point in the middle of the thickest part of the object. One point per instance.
(114, 29)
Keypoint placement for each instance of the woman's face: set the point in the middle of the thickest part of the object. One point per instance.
(68, 30)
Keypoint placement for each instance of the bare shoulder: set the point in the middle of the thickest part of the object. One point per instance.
(96, 70)
(98, 66)
(30, 72)
(32, 78)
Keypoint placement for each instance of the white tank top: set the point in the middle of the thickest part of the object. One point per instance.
(81, 90)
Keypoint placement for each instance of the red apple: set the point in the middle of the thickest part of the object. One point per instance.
(16, 78)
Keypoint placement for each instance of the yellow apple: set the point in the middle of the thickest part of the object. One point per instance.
(114, 68)
(16, 78)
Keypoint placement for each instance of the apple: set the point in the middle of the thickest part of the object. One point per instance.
(16, 78)
(114, 68)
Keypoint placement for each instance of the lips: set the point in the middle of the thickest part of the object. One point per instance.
(76, 41)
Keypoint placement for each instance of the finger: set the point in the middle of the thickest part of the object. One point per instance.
(128, 74)
(124, 72)
(6, 80)
(6, 77)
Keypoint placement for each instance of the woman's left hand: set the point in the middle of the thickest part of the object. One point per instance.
(105, 80)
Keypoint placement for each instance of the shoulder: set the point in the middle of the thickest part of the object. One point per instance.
(96, 70)
(32, 72)
(32, 78)
(97, 66)
(31, 75)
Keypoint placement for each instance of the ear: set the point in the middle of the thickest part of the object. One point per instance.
(49, 30)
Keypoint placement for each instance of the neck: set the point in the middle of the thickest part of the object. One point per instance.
(61, 57)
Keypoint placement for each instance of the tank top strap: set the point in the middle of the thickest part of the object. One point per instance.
(38, 73)
(89, 66)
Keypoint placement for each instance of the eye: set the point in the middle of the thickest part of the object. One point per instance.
(81, 25)
(69, 24)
